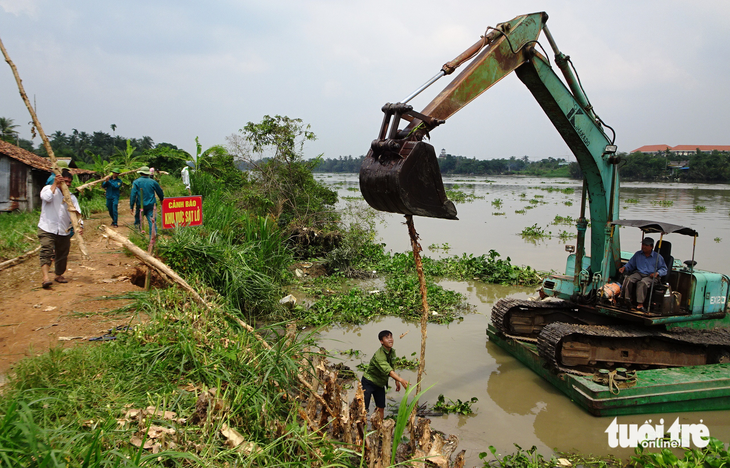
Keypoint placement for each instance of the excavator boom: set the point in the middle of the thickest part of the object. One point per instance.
(400, 172)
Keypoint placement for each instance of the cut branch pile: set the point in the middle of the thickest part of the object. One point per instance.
(325, 409)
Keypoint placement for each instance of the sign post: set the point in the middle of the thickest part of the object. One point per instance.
(182, 211)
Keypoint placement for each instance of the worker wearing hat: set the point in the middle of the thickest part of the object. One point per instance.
(645, 268)
(113, 184)
(143, 193)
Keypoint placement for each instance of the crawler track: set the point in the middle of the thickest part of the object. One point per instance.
(522, 318)
(570, 346)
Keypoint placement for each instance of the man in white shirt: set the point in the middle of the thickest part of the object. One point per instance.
(185, 174)
(55, 230)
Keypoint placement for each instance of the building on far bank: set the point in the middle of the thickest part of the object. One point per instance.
(681, 150)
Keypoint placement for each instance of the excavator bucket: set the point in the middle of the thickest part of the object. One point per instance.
(406, 180)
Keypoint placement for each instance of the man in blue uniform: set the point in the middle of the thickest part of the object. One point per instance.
(143, 194)
(113, 184)
(646, 267)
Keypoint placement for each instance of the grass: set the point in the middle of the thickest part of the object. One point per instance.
(244, 258)
(71, 406)
(18, 233)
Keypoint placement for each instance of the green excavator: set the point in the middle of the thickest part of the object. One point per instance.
(582, 324)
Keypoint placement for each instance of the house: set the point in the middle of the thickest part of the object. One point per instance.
(652, 149)
(23, 175)
(681, 150)
(687, 150)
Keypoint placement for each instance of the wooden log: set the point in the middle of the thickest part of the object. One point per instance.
(19, 258)
(386, 442)
(314, 386)
(73, 214)
(358, 416)
(156, 264)
(459, 461)
(94, 182)
(421, 442)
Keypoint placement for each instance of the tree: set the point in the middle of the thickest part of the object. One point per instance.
(273, 149)
(7, 130)
(168, 159)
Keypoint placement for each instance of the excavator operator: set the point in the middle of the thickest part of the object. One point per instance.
(646, 267)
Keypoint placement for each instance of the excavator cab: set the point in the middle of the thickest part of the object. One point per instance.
(400, 173)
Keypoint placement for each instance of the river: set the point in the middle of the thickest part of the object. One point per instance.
(515, 405)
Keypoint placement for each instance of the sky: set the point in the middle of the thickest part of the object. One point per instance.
(656, 71)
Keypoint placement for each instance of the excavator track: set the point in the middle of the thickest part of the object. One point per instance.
(523, 319)
(569, 347)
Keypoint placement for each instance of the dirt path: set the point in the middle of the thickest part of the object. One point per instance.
(33, 319)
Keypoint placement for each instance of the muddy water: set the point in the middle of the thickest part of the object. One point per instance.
(515, 405)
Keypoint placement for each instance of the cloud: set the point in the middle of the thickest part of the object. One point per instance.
(19, 7)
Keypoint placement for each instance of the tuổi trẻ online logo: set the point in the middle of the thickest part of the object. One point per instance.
(656, 436)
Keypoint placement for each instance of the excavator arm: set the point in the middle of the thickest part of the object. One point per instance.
(400, 172)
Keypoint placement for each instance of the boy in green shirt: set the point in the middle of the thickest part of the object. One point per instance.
(375, 378)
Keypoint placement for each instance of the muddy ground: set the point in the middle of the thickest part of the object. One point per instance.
(33, 319)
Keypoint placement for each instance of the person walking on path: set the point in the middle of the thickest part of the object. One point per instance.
(113, 184)
(185, 174)
(143, 193)
(375, 378)
(55, 229)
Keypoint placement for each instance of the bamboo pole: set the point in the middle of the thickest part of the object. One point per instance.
(94, 182)
(73, 214)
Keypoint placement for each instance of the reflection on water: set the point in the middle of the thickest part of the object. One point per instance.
(516, 405)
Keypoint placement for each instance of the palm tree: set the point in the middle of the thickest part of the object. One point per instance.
(7, 130)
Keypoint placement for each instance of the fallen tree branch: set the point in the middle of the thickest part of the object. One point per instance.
(18, 259)
(173, 277)
(155, 263)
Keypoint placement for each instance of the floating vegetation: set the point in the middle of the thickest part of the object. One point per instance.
(445, 246)
(497, 203)
(700, 208)
(718, 239)
(457, 196)
(352, 198)
(534, 232)
(353, 189)
(566, 190)
(400, 297)
(523, 195)
(534, 201)
(568, 220)
(662, 202)
(565, 235)
(457, 407)
(351, 353)
(520, 211)
(631, 200)
(568, 203)
(497, 213)
(488, 268)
